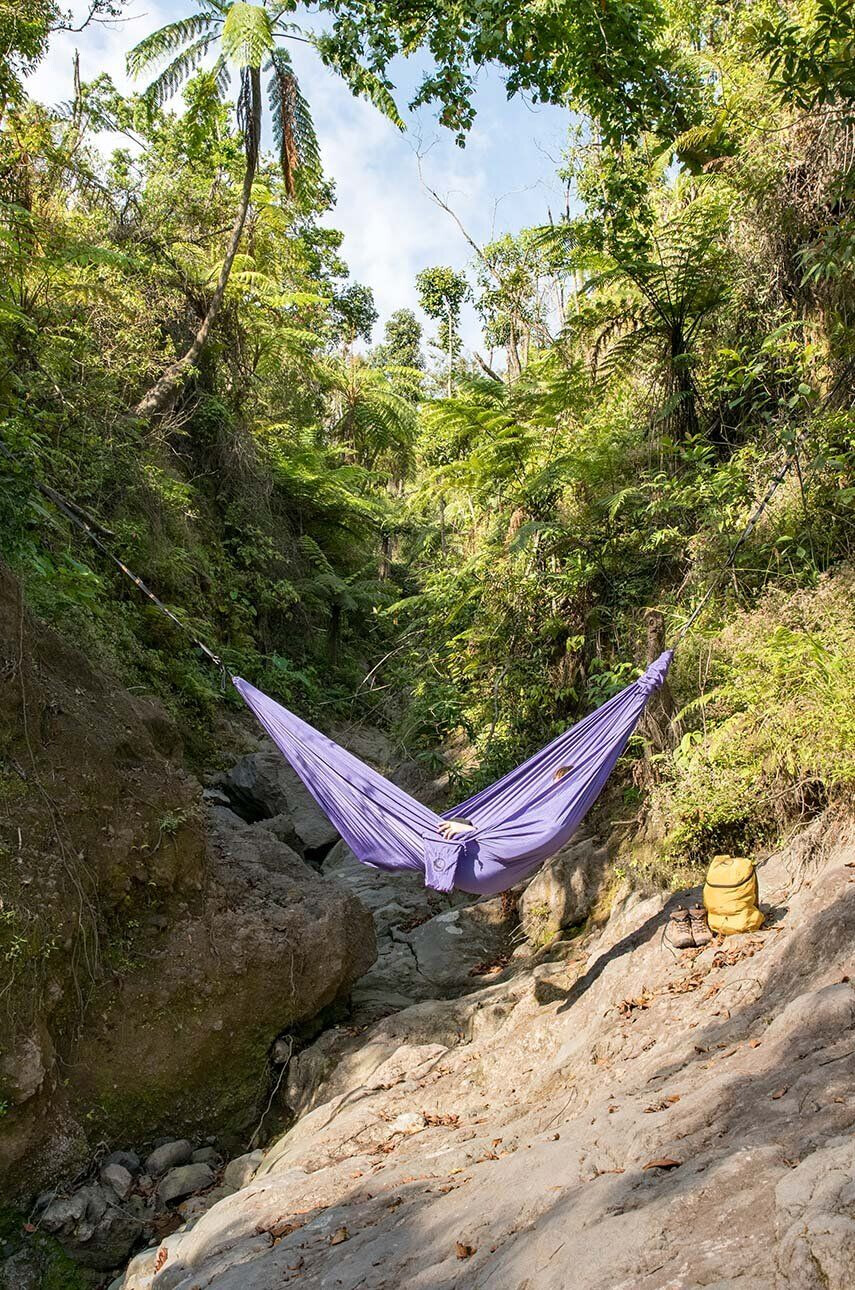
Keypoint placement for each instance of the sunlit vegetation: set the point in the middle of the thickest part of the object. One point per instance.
(183, 353)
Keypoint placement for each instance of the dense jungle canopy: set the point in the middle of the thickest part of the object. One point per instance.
(460, 546)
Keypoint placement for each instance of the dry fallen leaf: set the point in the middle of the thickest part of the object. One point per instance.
(663, 1104)
(779, 1092)
(464, 1251)
(629, 1006)
(438, 1121)
(664, 1163)
(339, 1235)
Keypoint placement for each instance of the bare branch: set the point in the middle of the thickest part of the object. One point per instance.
(485, 367)
(99, 11)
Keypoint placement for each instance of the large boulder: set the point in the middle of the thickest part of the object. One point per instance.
(185, 1180)
(262, 786)
(95, 1228)
(185, 1046)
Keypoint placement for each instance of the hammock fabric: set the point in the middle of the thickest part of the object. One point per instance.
(519, 821)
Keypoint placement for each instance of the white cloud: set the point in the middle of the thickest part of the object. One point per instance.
(391, 227)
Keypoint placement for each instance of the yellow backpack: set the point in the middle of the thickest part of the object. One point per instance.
(731, 895)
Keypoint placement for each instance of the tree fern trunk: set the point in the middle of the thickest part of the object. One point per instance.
(167, 388)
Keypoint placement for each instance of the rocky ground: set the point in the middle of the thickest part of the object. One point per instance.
(601, 1112)
(520, 1093)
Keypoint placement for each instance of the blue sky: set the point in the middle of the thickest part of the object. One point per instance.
(503, 180)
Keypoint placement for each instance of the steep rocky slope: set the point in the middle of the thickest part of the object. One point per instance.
(153, 945)
(603, 1113)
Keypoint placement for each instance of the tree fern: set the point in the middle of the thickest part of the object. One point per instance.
(247, 34)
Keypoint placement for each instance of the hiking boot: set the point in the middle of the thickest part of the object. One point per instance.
(700, 928)
(678, 933)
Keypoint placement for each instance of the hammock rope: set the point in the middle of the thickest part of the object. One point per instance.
(515, 824)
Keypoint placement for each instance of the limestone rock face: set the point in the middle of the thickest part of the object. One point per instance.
(602, 1114)
(564, 891)
(428, 943)
(815, 1212)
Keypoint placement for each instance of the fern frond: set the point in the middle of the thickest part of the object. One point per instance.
(293, 129)
(222, 75)
(247, 34)
(162, 44)
(626, 352)
(170, 80)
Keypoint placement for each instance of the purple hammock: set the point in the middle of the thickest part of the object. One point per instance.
(519, 821)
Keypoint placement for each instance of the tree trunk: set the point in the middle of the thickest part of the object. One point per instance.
(658, 726)
(168, 386)
(513, 353)
(682, 419)
(385, 557)
(334, 634)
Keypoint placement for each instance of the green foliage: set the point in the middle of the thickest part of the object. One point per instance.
(402, 339)
(247, 34)
(441, 293)
(615, 468)
(651, 358)
(773, 738)
(810, 48)
(25, 36)
(96, 281)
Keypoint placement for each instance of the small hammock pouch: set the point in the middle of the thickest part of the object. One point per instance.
(731, 895)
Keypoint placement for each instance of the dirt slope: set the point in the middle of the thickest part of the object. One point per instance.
(151, 947)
